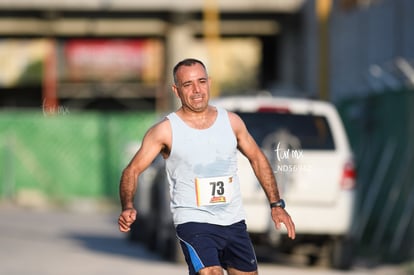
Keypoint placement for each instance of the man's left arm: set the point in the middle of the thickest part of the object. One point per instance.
(263, 171)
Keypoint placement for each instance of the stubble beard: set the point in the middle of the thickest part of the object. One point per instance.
(198, 106)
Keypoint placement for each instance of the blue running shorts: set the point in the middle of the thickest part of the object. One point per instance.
(207, 245)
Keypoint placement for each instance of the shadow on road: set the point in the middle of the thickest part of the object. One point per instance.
(113, 245)
(119, 246)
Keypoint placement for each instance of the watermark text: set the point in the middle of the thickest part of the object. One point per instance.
(53, 110)
(287, 160)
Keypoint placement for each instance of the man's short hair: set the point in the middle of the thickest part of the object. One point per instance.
(186, 62)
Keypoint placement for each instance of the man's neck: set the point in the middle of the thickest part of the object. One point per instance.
(198, 120)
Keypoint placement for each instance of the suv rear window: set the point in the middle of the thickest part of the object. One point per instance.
(307, 132)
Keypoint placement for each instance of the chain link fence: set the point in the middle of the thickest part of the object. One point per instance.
(67, 156)
(381, 131)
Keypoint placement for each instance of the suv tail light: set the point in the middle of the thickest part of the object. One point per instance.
(348, 176)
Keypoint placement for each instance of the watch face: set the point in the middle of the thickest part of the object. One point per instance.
(279, 203)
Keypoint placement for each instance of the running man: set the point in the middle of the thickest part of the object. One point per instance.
(199, 143)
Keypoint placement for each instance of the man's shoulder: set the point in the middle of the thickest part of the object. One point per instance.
(160, 129)
(233, 116)
(163, 124)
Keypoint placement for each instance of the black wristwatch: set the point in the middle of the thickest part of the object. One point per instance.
(280, 203)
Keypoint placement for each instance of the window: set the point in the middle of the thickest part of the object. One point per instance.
(307, 132)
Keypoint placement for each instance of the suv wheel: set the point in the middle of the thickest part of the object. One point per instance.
(341, 250)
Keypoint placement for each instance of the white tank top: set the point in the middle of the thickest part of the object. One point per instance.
(202, 172)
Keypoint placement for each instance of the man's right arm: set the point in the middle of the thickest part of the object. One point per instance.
(155, 140)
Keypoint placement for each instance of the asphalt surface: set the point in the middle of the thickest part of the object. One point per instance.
(56, 242)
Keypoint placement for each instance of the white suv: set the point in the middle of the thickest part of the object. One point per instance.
(307, 146)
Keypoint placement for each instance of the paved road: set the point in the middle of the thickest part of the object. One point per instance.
(46, 242)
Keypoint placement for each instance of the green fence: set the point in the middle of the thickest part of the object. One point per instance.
(70, 155)
(381, 131)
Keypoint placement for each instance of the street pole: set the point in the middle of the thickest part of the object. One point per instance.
(323, 11)
(211, 24)
(50, 102)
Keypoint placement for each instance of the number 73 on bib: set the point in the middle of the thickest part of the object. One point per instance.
(214, 191)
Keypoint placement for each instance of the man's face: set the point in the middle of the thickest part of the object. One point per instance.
(192, 87)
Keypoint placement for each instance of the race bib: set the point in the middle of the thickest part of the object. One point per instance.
(214, 191)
